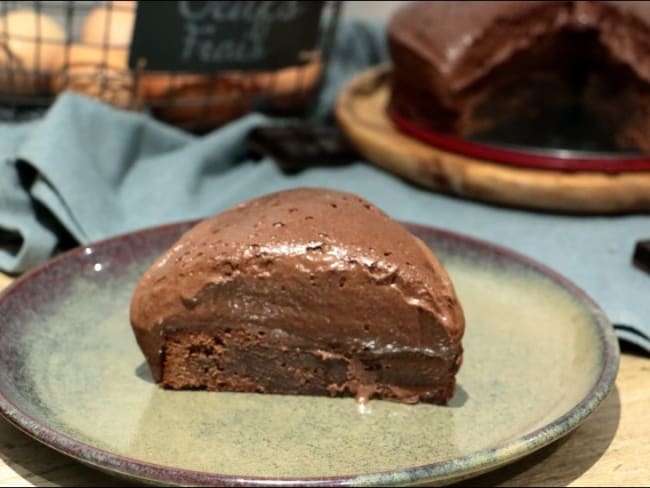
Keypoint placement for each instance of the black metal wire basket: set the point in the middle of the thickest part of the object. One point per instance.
(49, 47)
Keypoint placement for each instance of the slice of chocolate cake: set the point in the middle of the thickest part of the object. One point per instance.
(466, 67)
(306, 291)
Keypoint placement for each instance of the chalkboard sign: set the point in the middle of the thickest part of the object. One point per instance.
(211, 36)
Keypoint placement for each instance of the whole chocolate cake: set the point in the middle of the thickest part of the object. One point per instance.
(306, 291)
(465, 67)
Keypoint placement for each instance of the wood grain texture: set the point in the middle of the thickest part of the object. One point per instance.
(610, 448)
(360, 111)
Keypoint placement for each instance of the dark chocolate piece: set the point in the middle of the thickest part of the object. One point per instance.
(298, 146)
(641, 257)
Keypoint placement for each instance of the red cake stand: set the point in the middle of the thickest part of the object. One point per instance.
(526, 157)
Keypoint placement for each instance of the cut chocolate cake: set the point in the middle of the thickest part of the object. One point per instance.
(305, 291)
(465, 67)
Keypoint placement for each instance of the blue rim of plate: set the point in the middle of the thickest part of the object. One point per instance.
(452, 470)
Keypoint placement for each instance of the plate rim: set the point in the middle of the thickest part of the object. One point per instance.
(454, 469)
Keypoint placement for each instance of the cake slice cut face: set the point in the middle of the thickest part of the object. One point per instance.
(305, 291)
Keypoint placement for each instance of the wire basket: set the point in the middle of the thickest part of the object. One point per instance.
(50, 47)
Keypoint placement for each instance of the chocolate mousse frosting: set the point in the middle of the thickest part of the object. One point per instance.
(463, 66)
(463, 40)
(305, 291)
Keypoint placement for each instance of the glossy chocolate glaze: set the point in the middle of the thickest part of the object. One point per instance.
(314, 270)
(463, 41)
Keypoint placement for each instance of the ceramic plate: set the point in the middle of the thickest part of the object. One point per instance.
(539, 357)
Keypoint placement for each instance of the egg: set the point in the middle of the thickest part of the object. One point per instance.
(197, 99)
(124, 4)
(202, 100)
(112, 27)
(290, 87)
(99, 73)
(31, 49)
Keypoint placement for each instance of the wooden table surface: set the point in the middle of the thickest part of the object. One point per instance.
(611, 448)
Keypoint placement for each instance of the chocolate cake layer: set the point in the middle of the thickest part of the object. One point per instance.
(304, 292)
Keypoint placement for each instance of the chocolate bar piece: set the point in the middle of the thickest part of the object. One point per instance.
(641, 258)
(297, 146)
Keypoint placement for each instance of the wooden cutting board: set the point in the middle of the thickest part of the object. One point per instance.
(360, 110)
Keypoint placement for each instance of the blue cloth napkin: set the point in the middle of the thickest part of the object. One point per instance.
(86, 171)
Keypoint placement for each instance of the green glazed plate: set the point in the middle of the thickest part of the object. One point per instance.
(539, 358)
